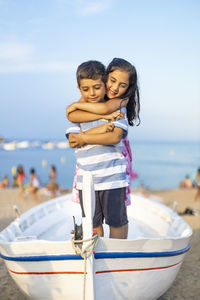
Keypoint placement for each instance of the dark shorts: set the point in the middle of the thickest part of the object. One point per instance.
(109, 205)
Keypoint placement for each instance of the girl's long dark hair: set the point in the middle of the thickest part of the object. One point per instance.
(133, 106)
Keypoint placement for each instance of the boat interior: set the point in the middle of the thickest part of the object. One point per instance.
(53, 221)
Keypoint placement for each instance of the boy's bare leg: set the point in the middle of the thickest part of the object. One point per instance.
(119, 232)
(99, 230)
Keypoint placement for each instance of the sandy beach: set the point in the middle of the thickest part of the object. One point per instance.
(186, 285)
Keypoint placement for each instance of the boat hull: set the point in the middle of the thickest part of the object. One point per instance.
(61, 277)
(139, 268)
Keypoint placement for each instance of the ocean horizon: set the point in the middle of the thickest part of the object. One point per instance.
(159, 164)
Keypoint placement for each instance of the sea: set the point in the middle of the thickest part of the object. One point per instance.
(159, 165)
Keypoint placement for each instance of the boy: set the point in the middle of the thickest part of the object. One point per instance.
(101, 154)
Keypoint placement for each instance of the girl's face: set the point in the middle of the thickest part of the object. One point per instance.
(117, 83)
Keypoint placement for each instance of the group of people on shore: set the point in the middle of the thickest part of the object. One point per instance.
(34, 185)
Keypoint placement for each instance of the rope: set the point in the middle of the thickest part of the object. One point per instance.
(85, 253)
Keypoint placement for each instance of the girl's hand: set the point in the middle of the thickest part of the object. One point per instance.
(72, 107)
(115, 115)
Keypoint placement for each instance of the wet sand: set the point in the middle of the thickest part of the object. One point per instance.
(186, 285)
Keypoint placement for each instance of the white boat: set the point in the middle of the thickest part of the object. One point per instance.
(62, 145)
(39, 255)
(48, 145)
(10, 146)
(23, 144)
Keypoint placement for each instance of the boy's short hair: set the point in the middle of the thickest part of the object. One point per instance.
(91, 69)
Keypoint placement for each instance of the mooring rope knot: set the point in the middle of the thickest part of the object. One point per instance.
(85, 253)
(77, 246)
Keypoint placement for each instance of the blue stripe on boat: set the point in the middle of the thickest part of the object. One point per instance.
(101, 255)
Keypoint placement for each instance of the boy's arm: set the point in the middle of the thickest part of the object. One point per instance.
(109, 138)
(107, 127)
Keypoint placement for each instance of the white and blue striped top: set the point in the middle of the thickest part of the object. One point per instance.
(106, 162)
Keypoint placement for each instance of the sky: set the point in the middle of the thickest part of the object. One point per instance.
(43, 42)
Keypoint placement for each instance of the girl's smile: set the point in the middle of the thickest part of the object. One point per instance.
(117, 83)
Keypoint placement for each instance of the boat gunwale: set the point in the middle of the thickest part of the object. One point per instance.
(98, 255)
(35, 240)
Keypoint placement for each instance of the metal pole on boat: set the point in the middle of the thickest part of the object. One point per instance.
(87, 223)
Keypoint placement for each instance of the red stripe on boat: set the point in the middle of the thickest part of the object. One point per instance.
(43, 273)
(136, 270)
(98, 272)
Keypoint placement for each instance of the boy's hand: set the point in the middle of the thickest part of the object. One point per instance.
(108, 127)
(76, 140)
(115, 115)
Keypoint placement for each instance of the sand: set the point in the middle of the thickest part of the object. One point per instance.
(187, 283)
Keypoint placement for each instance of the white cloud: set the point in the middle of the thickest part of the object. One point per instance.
(15, 51)
(37, 67)
(16, 57)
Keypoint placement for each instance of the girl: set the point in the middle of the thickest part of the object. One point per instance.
(122, 90)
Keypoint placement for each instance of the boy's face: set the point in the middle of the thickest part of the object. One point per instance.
(92, 90)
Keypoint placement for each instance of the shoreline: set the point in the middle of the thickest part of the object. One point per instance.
(185, 285)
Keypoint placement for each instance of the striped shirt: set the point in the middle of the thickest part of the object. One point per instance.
(106, 162)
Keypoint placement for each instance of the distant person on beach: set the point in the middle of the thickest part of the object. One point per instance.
(20, 180)
(4, 183)
(14, 177)
(121, 91)
(52, 186)
(100, 139)
(34, 184)
(197, 179)
(187, 183)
